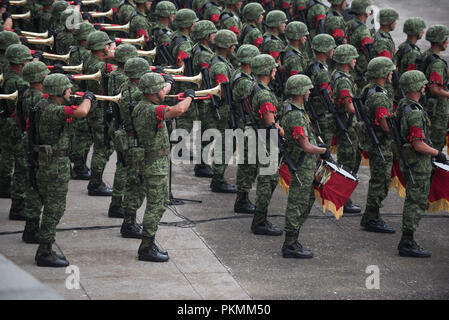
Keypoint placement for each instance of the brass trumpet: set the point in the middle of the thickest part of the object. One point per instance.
(46, 42)
(24, 16)
(216, 91)
(42, 35)
(51, 56)
(18, 3)
(95, 76)
(1, 79)
(198, 79)
(150, 54)
(12, 96)
(87, 2)
(139, 41)
(107, 14)
(114, 27)
(75, 69)
(171, 71)
(115, 99)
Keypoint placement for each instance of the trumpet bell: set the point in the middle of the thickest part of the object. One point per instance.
(139, 41)
(110, 27)
(150, 54)
(198, 79)
(18, 3)
(12, 96)
(23, 16)
(107, 14)
(175, 71)
(51, 56)
(42, 35)
(94, 77)
(46, 42)
(216, 91)
(75, 69)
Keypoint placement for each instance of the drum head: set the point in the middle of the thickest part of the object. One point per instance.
(443, 166)
(341, 171)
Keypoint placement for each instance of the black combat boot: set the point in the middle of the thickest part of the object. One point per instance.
(17, 211)
(97, 187)
(149, 251)
(81, 173)
(203, 171)
(221, 186)
(409, 248)
(131, 229)
(115, 208)
(5, 189)
(293, 249)
(262, 226)
(351, 207)
(243, 204)
(46, 257)
(31, 232)
(375, 223)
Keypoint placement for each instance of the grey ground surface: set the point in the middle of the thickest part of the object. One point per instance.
(222, 259)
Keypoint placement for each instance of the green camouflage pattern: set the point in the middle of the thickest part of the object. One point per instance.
(296, 30)
(8, 38)
(225, 39)
(124, 52)
(165, 9)
(18, 53)
(298, 85)
(184, 18)
(63, 41)
(251, 34)
(323, 43)
(360, 6)
(35, 71)
(413, 26)
(202, 29)
(345, 53)
(312, 12)
(437, 33)
(383, 41)
(275, 18)
(387, 16)
(83, 30)
(252, 11)
(413, 81)
(125, 11)
(407, 55)
(97, 40)
(380, 67)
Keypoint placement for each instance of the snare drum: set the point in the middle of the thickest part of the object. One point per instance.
(333, 186)
(439, 190)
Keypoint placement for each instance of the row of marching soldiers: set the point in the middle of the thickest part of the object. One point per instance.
(286, 75)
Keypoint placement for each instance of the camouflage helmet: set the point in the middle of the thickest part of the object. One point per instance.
(413, 26)
(387, 16)
(165, 9)
(151, 83)
(275, 18)
(184, 18)
(359, 6)
(323, 43)
(18, 54)
(345, 53)
(202, 29)
(82, 31)
(230, 2)
(140, 1)
(57, 7)
(56, 84)
(335, 1)
(437, 33)
(124, 52)
(35, 71)
(263, 64)
(136, 68)
(46, 2)
(252, 11)
(412, 81)
(70, 17)
(246, 53)
(97, 40)
(8, 38)
(296, 30)
(225, 39)
(380, 67)
(298, 85)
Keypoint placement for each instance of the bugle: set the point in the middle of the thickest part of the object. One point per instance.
(12, 96)
(171, 71)
(139, 41)
(113, 27)
(115, 99)
(75, 69)
(42, 35)
(46, 42)
(107, 14)
(87, 2)
(150, 54)
(216, 91)
(51, 56)
(1, 79)
(23, 16)
(198, 79)
(94, 77)
(18, 3)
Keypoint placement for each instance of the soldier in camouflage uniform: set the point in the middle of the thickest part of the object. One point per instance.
(265, 103)
(242, 85)
(436, 71)
(56, 9)
(149, 118)
(252, 28)
(139, 25)
(408, 56)
(7, 38)
(117, 77)
(316, 17)
(229, 17)
(125, 10)
(98, 43)
(65, 39)
(414, 126)
(45, 15)
(383, 45)
(208, 10)
(34, 73)
(335, 22)
(360, 37)
(343, 88)
(379, 106)
(292, 59)
(302, 147)
(161, 31)
(52, 122)
(272, 44)
(15, 143)
(317, 70)
(81, 139)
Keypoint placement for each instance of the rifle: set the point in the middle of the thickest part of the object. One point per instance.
(246, 108)
(324, 95)
(188, 72)
(117, 121)
(361, 115)
(33, 163)
(395, 81)
(166, 55)
(321, 26)
(302, 18)
(279, 82)
(392, 125)
(206, 85)
(313, 114)
(131, 106)
(19, 110)
(226, 86)
(107, 110)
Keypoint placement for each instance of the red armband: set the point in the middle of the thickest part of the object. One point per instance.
(182, 55)
(114, 10)
(380, 113)
(343, 94)
(436, 78)
(258, 41)
(293, 72)
(318, 18)
(285, 5)
(70, 109)
(235, 30)
(215, 17)
(160, 115)
(411, 67)
(365, 41)
(109, 67)
(274, 54)
(385, 53)
(266, 107)
(204, 65)
(300, 8)
(219, 78)
(327, 86)
(415, 132)
(338, 33)
(45, 96)
(297, 132)
(142, 32)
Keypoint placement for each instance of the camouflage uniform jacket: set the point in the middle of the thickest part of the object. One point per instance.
(161, 34)
(124, 104)
(139, 25)
(4, 64)
(408, 57)
(64, 40)
(125, 9)
(318, 72)
(264, 100)
(45, 20)
(436, 71)
(292, 61)
(272, 45)
(315, 11)
(180, 46)
(30, 99)
(336, 26)
(343, 86)
(202, 56)
(12, 82)
(251, 34)
(221, 70)
(230, 20)
(241, 86)
(359, 36)
(78, 54)
(384, 45)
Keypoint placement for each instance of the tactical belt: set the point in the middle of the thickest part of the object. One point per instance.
(157, 153)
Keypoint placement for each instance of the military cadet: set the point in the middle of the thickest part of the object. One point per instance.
(34, 73)
(149, 120)
(18, 56)
(125, 10)
(317, 70)
(98, 43)
(70, 19)
(335, 22)
(45, 15)
(134, 195)
(229, 17)
(204, 34)
(81, 139)
(436, 71)
(414, 126)
(139, 25)
(272, 44)
(302, 147)
(52, 121)
(265, 106)
(221, 70)
(160, 31)
(56, 9)
(379, 106)
(292, 59)
(117, 77)
(252, 28)
(408, 56)
(242, 85)
(343, 88)
(316, 17)
(383, 45)
(360, 37)
(7, 38)
(208, 10)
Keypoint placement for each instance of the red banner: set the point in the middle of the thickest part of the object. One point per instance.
(397, 179)
(439, 191)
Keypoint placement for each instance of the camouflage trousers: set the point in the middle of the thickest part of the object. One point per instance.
(19, 152)
(380, 177)
(6, 155)
(416, 196)
(347, 154)
(438, 112)
(81, 141)
(134, 194)
(100, 156)
(300, 200)
(246, 172)
(327, 127)
(156, 192)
